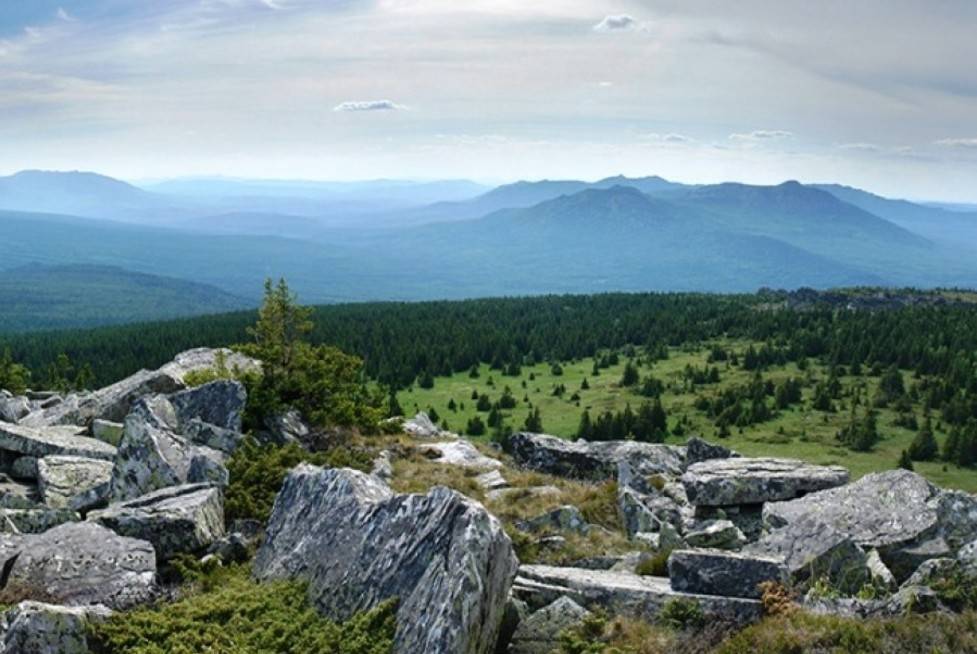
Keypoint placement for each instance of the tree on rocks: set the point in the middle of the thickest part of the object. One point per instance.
(924, 446)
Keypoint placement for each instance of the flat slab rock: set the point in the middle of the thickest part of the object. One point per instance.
(621, 593)
(62, 480)
(727, 574)
(460, 453)
(594, 461)
(78, 564)
(56, 440)
(175, 520)
(358, 543)
(906, 518)
(727, 482)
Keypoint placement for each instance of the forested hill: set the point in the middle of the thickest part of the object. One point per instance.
(401, 341)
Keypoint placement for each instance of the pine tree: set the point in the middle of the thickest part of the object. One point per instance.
(924, 446)
(905, 462)
(533, 423)
(630, 376)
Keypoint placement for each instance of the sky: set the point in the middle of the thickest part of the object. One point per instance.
(880, 94)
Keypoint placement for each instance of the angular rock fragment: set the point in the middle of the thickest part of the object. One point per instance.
(595, 461)
(47, 441)
(107, 431)
(726, 482)
(460, 453)
(539, 633)
(716, 534)
(178, 519)
(357, 544)
(63, 480)
(564, 518)
(727, 574)
(38, 628)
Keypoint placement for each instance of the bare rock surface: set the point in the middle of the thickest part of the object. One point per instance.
(595, 461)
(718, 572)
(79, 564)
(621, 593)
(357, 543)
(539, 633)
(460, 453)
(57, 440)
(64, 480)
(177, 519)
(733, 481)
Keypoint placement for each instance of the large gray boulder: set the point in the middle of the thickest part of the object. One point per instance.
(357, 543)
(646, 512)
(715, 534)
(77, 564)
(698, 450)
(152, 457)
(725, 482)
(728, 574)
(219, 403)
(47, 441)
(421, 426)
(75, 409)
(540, 632)
(13, 408)
(38, 628)
(622, 593)
(906, 518)
(63, 481)
(178, 519)
(813, 550)
(594, 461)
(459, 453)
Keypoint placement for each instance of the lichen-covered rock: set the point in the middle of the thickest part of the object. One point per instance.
(75, 409)
(968, 558)
(357, 544)
(728, 574)
(286, 427)
(36, 520)
(79, 563)
(212, 436)
(563, 518)
(38, 628)
(47, 441)
(24, 468)
(724, 482)
(219, 403)
(899, 513)
(539, 633)
(459, 453)
(622, 593)
(595, 461)
(715, 534)
(62, 480)
(150, 458)
(178, 519)
(813, 550)
(646, 512)
(107, 431)
(933, 570)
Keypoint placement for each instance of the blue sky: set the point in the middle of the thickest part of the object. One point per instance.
(879, 94)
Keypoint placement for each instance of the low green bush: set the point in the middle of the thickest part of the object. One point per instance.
(258, 471)
(225, 612)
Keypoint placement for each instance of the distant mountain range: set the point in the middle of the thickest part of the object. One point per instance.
(384, 240)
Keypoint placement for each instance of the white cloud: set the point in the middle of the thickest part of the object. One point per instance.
(605, 84)
(762, 135)
(959, 143)
(621, 23)
(860, 147)
(667, 138)
(368, 105)
(62, 14)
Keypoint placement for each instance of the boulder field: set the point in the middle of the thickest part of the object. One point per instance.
(100, 490)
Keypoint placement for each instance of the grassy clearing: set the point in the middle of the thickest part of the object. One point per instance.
(800, 431)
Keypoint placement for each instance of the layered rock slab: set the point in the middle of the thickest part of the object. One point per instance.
(38, 628)
(68, 481)
(595, 461)
(47, 441)
(736, 481)
(357, 544)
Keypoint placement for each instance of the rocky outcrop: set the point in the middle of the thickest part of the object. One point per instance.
(38, 628)
(78, 564)
(698, 450)
(48, 441)
(460, 453)
(178, 519)
(357, 543)
(150, 458)
(813, 550)
(539, 633)
(728, 574)
(725, 482)
(13, 408)
(906, 518)
(107, 431)
(219, 403)
(73, 481)
(595, 461)
(621, 593)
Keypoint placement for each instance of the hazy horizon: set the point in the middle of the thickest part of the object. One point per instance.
(496, 91)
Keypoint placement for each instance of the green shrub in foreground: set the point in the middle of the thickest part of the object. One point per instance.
(258, 471)
(231, 614)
